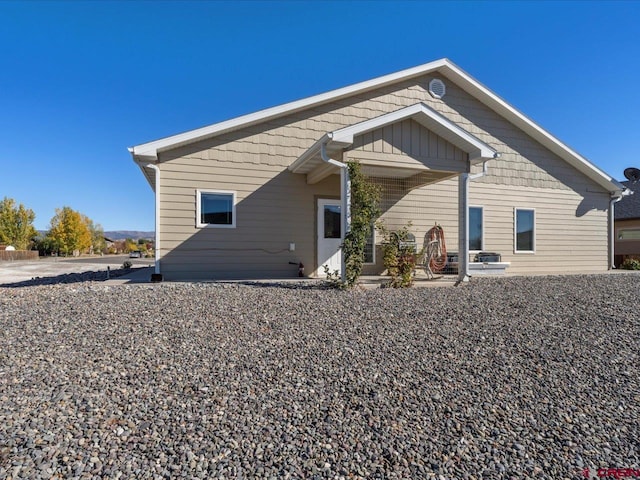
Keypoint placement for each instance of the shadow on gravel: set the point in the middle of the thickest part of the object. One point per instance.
(90, 276)
(301, 285)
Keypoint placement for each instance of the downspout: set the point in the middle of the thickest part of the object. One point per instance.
(345, 199)
(463, 245)
(157, 192)
(612, 231)
(484, 169)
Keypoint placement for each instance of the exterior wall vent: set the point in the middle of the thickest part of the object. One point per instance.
(437, 88)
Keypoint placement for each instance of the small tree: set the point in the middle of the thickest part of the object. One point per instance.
(399, 255)
(16, 224)
(69, 231)
(130, 245)
(46, 245)
(98, 243)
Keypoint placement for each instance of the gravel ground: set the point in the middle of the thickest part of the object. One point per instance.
(502, 378)
(73, 277)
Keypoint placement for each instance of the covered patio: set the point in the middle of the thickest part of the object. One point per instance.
(416, 147)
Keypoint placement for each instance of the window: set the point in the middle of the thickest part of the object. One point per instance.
(216, 209)
(476, 228)
(525, 230)
(332, 221)
(629, 234)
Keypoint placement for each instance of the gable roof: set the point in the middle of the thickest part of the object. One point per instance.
(421, 113)
(148, 152)
(628, 207)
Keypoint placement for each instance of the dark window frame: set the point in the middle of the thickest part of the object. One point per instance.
(477, 207)
(519, 235)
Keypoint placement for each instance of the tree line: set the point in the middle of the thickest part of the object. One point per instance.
(69, 230)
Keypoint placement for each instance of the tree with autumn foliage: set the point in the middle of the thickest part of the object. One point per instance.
(69, 231)
(16, 224)
(98, 243)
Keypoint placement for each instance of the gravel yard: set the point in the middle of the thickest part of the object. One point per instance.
(502, 378)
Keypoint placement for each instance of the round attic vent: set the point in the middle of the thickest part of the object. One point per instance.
(437, 88)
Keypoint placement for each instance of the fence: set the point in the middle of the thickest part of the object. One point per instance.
(16, 255)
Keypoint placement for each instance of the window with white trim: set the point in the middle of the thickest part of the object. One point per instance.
(476, 229)
(525, 230)
(216, 208)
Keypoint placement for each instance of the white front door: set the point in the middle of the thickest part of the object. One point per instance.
(329, 235)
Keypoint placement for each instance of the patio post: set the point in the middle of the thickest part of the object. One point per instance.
(345, 209)
(463, 227)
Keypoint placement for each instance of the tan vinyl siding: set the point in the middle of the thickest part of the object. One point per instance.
(276, 207)
(570, 230)
(569, 237)
(273, 208)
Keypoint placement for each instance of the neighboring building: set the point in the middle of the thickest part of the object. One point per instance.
(627, 225)
(245, 197)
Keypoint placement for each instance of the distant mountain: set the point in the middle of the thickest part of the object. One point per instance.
(134, 234)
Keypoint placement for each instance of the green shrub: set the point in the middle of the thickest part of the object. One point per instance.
(127, 264)
(631, 264)
(399, 256)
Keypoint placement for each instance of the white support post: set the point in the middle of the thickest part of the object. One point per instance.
(345, 209)
(345, 204)
(612, 236)
(612, 231)
(463, 227)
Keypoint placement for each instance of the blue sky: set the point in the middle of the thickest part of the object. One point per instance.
(82, 81)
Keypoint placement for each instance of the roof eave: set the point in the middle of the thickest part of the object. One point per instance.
(149, 151)
(496, 103)
(199, 134)
(142, 161)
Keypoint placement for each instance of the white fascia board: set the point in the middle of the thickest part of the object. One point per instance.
(174, 141)
(300, 164)
(310, 153)
(142, 161)
(150, 177)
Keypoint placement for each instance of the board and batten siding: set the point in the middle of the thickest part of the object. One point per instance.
(276, 207)
(411, 140)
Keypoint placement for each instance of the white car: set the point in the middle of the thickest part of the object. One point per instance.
(135, 254)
